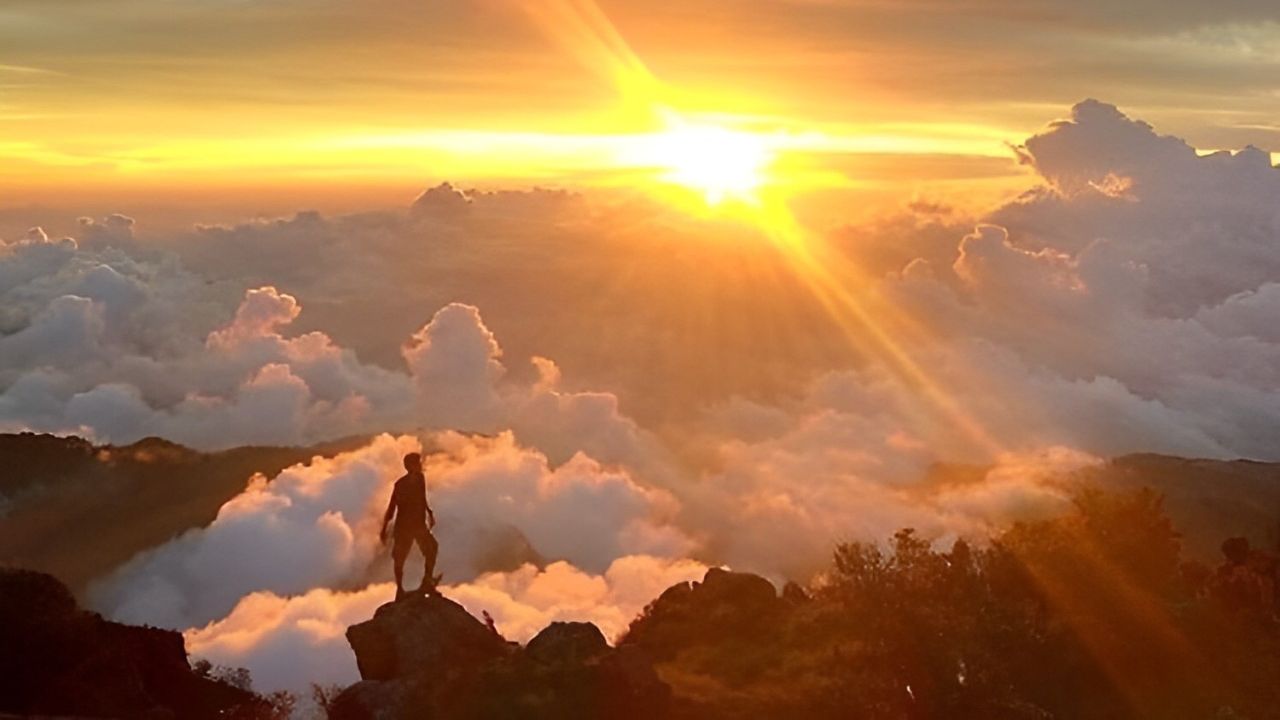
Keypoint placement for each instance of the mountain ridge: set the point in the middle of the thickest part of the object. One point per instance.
(79, 510)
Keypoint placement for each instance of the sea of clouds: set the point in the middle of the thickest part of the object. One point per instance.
(614, 397)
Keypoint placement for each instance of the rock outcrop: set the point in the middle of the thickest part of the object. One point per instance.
(724, 605)
(429, 658)
(422, 632)
(56, 659)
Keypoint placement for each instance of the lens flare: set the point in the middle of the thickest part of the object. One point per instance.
(718, 162)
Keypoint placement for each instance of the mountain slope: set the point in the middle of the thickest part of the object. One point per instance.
(57, 658)
(76, 510)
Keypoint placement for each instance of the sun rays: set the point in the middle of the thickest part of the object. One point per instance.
(718, 162)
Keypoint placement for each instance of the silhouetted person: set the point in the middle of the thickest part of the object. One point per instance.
(414, 521)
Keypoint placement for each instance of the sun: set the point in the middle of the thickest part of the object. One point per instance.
(718, 162)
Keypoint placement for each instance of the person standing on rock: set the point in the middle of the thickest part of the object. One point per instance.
(414, 522)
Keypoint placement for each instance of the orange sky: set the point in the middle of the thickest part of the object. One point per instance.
(109, 99)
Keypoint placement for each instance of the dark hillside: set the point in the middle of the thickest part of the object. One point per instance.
(76, 510)
(1206, 499)
(58, 659)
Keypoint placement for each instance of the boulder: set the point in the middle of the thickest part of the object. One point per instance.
(724, 604)
(741, 591)
(567, 643)
(428, 657)
(569, 670)
(417, 633)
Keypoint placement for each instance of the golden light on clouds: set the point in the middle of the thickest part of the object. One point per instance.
(721, 163)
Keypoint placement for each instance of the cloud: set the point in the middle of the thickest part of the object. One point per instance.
(1135, 246)
(579, 511)
(845, 465)
(454, 364)
(316, 526)
(1201, 226)
(289, 642)
(582, 280)
(312, 526)
(524, 601)
(1146, 304)
(246, 384)
(1120, 306)
(117, 349)
(674, 391)
(115, 231)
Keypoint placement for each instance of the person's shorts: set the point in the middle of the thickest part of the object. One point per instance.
(406, 537)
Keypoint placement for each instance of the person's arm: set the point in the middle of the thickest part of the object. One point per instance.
(431, 518)
(386, 519)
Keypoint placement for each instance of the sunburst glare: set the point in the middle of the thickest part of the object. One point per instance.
(719, 162)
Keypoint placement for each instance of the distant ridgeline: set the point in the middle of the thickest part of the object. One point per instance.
(77, 511)
(1208, 500)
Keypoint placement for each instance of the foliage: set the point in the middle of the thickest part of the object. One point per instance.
(279, 705)
(325, 697)
(1092, 614)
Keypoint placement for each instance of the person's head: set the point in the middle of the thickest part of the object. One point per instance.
(413, 462)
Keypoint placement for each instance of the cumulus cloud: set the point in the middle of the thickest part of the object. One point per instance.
(1128, 323)
(579, 511)
(316, 526)
(846, 466)
(524, 601)
(118, 349)
(289, 642)
(1202, 227)
(454, 363)
(591, 282)
(244, 384)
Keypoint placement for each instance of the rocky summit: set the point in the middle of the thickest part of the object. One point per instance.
(427, 657)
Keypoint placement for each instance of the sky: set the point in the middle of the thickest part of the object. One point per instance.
(343, 102)
(635, 277)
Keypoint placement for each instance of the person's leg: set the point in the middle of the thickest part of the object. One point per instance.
(430, 548)
(400, 551)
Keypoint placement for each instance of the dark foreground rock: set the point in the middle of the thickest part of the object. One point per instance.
(56, 659)
(429, 658)
(724, 605)
(422, 632)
